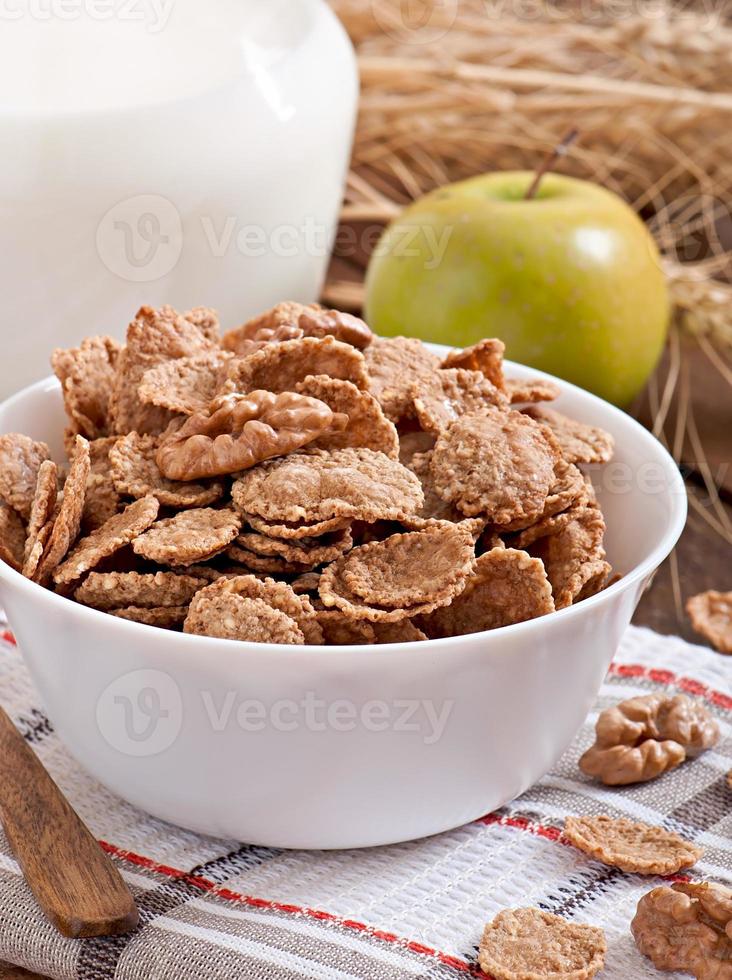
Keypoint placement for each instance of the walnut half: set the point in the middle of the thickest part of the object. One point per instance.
(641, 738)
(687, 927)
(240, 431)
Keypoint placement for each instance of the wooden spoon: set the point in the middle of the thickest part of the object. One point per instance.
(74, 882)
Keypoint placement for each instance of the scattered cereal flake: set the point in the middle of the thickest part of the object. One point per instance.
(398, 575)
(165, 617)
(12, 537)
(135, 473)
(191, 536)
(315, 486)
(243, 430)
(266, 564)
(296, 530)
(277, 595)
(419, 567)
(711, 617)
(311, 551)
(508, 586)
(402, 632)
(367, 428)
(279, 367)
(446, 395)
(153, 337)
(486, 357)
(637, 848)
(580, 443)
(118, 590)
(234, 617)
(531, 390)
(528, 944)
(339, 630)
(272, 326)
(641, 738)
(413, 444)
(496, 465)
(394, 365)
(315, 321)
(20, 461)
(186, 385)
(42, 510)
(574, 556)
(67, 522)
(687, 928)
(86, 374)
(118, 531)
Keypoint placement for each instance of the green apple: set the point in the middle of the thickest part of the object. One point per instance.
(570, 280)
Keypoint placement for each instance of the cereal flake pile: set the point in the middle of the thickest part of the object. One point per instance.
(299, 480)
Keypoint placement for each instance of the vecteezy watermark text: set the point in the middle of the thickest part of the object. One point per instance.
(152, 14)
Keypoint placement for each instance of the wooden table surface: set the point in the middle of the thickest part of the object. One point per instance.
(701, 561)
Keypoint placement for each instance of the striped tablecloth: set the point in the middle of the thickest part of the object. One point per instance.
(219, 909)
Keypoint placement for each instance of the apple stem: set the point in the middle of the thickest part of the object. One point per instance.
(559, 151)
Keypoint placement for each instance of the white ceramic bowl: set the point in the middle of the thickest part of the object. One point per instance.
(329, 747)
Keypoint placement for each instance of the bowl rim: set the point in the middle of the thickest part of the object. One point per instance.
(677, 520)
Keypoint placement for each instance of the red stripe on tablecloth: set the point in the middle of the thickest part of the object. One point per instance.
(667, 677)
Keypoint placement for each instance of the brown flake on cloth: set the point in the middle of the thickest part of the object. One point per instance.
(154, 337)
(496, 464)
(42, 511)
(359, 484)
(687, 928)
(404, 576)
(12, 536)
(573, 554)
(66, 523)
(711, 617)
(528, 944)
(633, 847)
(277, 595)
(187, 385)
(164, 617)
(447, 394)
(395, 364)
(639, 739)
(506, 587)
(531, 390)
(135, 473)
(117, 590)
(367, 427)
(117, 532)
(279, 367)
(191, 536)
(580, 443)
(240, 431)
(20, 461)
(486, 357)
(86, 374)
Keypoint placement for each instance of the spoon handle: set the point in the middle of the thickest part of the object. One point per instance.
(74, 882)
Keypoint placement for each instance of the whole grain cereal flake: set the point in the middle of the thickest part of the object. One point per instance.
(186, 385)
(414, 568)
(486, 357)
(86, 374)
(711, 616)
(315, 486)
(580, 443)
(67, 522)
(528, 944)
(507, 586)
(531, 390)
(394, 365)
(191, 536)
(449, 393)
(233, 617)
(634, 847)
(20, 461)
(118, 531)
(497, 464)
(266, 564)
(12, 537)
(135, 473)
(42, 512)
(339, 630)
(273, 326)
(118, 590)
(313, 551)
(367, 428)
(164, 617)
(296, 530)
(574, 556)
